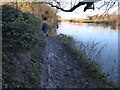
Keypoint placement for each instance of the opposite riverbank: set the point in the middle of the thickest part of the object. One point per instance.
(107, 19)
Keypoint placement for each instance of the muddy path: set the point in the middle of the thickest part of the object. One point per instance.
(59, 69)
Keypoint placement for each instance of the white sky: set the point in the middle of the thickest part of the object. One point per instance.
(78, 13)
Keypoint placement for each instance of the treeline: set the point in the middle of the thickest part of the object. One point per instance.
(26, 18)
(112, 19)
(22, 42)
(38, 9)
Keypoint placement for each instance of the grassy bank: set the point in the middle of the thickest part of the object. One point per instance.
(22, 47)
(90, 69)
(22, 41)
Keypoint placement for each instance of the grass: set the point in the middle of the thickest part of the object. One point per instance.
(91, 49)
(90, 68)
(23, 42)
(22, 48)
(24, 67)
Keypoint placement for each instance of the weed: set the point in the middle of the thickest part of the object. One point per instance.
(90, 68)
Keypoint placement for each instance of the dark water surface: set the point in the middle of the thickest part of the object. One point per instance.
(107, 37)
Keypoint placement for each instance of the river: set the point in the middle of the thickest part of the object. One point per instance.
(107, 38)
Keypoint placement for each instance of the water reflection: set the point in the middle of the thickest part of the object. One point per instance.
(103, 34)
(97, 25)
(78, 24)
(100, 25)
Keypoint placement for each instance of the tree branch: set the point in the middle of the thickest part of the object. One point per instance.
(70, 10)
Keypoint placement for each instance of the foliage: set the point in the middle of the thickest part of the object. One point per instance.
(22, 48)
(106, 19)
(20, 28)
(39, 10)
(21, 69)
(90, 68)
(23, 42)
(111, 19)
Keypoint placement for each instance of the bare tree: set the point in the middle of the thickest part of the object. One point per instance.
(59, 4)
(74, 4)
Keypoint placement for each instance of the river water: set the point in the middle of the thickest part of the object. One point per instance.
(107, 38)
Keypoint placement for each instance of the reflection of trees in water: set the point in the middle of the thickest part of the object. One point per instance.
(115, 27)
(104, 26)
(99, 25)
(79, 24)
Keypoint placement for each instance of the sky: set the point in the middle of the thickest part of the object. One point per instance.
(78, 13)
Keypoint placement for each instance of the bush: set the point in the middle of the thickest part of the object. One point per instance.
(22, 48)
(20, 28)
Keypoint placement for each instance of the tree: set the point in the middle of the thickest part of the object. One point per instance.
(73, 4)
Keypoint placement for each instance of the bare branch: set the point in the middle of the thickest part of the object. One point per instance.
(70, 10)
(59, 4)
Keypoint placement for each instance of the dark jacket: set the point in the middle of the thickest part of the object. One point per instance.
(44, 27)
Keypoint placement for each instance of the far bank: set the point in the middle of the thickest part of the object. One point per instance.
(107, 19)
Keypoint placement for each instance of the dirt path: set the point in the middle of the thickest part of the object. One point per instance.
(58, 68)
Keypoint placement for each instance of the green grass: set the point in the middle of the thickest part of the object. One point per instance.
(23, 43)
(22, 48)
(90, 68)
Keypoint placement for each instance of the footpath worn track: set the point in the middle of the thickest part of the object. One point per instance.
(59, 69)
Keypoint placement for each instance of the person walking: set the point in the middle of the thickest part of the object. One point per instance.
(44, 29)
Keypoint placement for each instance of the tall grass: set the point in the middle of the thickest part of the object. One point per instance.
(95, 51)
(91, 49)
(86, 55)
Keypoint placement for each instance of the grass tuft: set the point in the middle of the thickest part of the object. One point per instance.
(90, 68)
